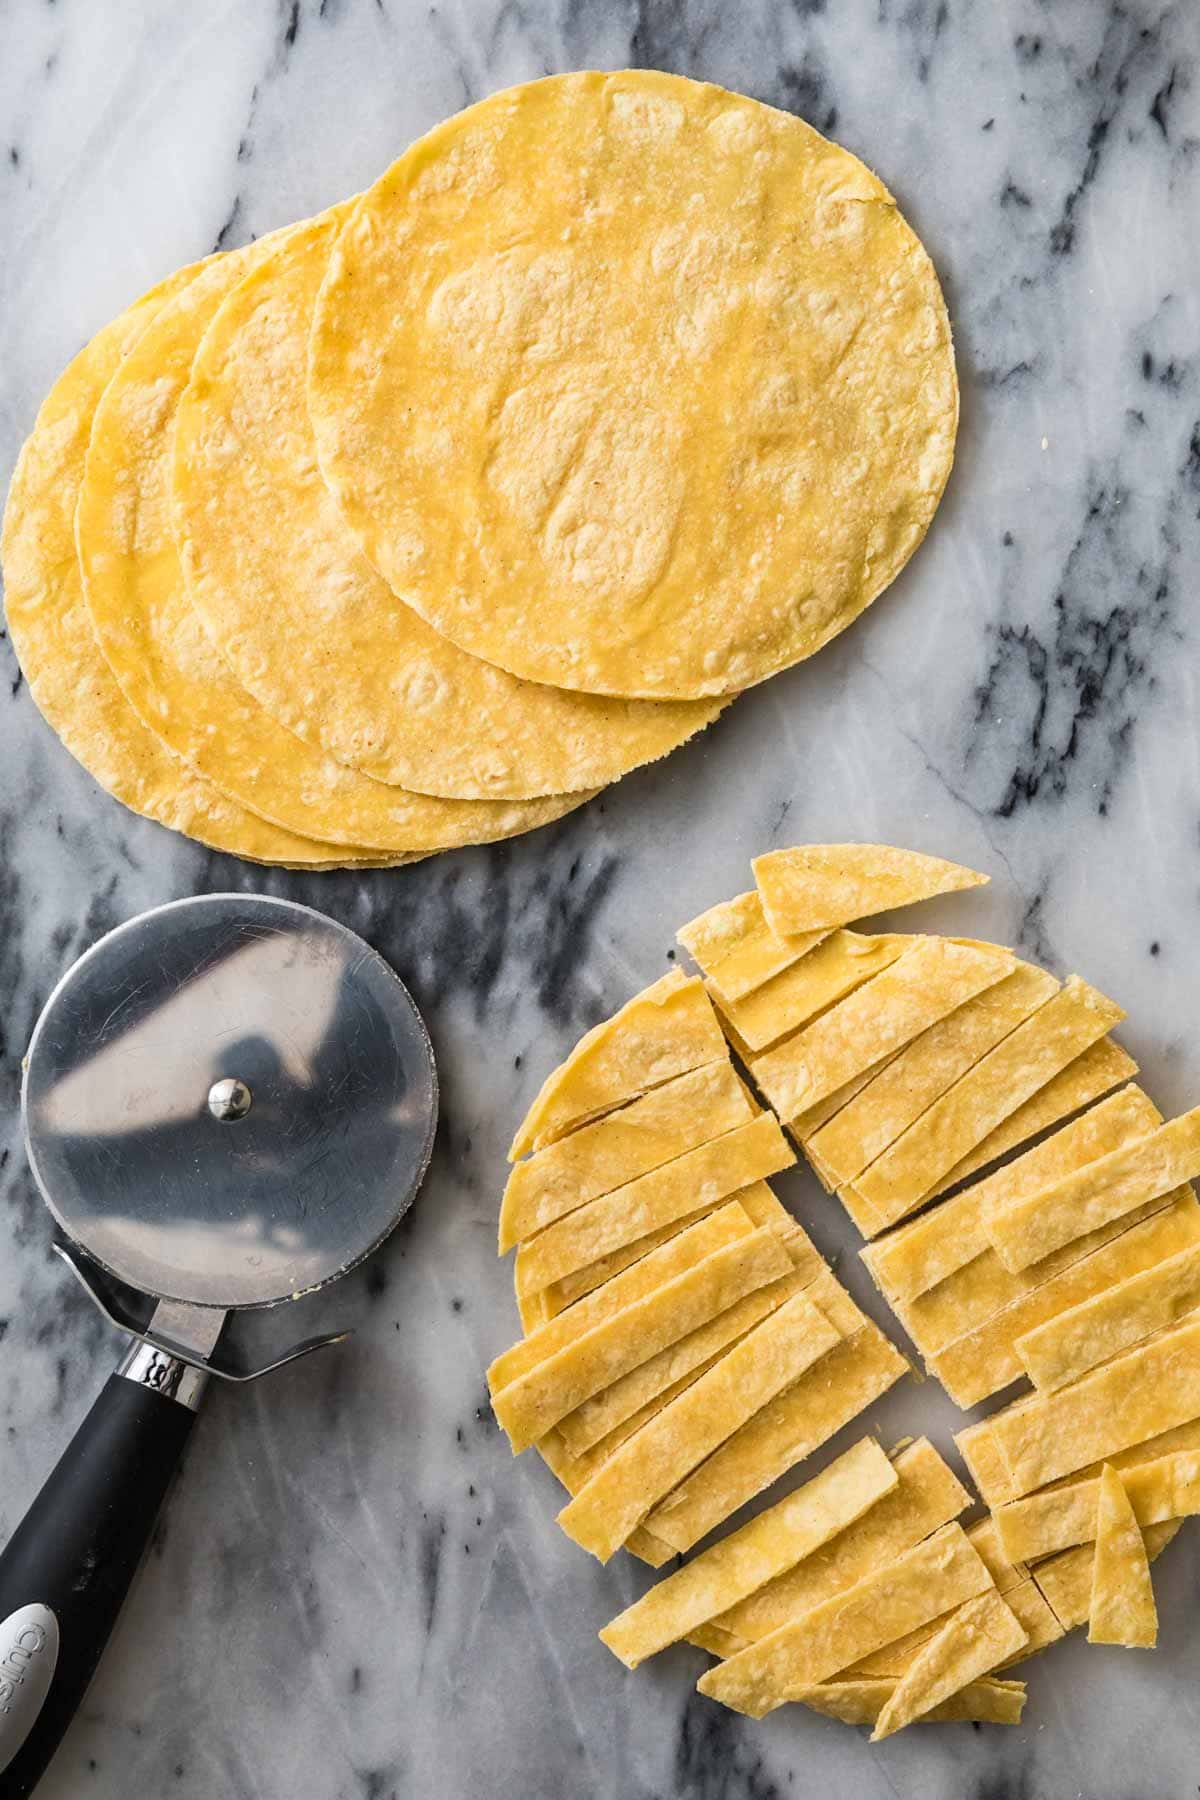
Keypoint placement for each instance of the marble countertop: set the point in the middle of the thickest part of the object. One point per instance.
(356, 1594)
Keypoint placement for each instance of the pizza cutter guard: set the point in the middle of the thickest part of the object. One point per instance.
(228, 1102)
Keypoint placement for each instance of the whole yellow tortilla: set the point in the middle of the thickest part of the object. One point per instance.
(52, 633)
(633, 385)
(307, 625)
(162, 657)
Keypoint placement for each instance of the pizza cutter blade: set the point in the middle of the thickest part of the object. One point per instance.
(229, 1102)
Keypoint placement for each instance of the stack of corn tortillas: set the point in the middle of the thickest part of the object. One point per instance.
(412, 525)
(686, 1347)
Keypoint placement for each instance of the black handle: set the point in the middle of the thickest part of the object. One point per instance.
(67, 1568)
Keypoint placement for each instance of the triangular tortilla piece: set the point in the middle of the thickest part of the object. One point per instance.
(1095, 1330)
(826, 975)
(1026, 1230)
(928, 1495)
(1101, 1068)
(775, 1541)
(671, 1119)
(667, 1029)
(980, 1635)
(898, 1181)
(1066, 1579)
(931, 979)
(858, 1702)
(936, 1245)
(737, 949)
(625, 1490)
(757, 1201)
(780, 1435)
(1142, 1393)
(1122, 1609)
(528, 1407)
(923, 1070)
(683, 1251)
(985, 1360)
(596, 1418)
(707, 1174)
(817, 886)
(925, 1581)
(1164, 1487)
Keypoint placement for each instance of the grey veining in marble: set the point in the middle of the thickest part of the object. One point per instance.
(356, 1593)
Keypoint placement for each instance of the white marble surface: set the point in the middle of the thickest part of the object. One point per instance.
(356, 1593)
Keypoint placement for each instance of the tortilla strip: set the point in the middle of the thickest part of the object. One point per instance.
(931, 979)
(1098, 1329)
(757, 1201)
(856, 1702)
(913, 1080)
(1101, 1068)
(908, 1173)
(529, 1406)
(1121, 1609)
(1026, 1230)
(1142, 1393)
(640, 1543)
(832, 884)
(683, 1251)
(1066, 1579)
(665, 1123)
(667, 1029)
(746, 1559)
(978, 1636)
(928, 1496)
(927, 1580)
(1025, 1600)
(702, 1176)
(595, 1418)
(622, 1493)
(1166, 1487)
(986, 1359)
(780, 1435)
(973, 1295)
(790, 1000)
(737, 949)
(936, 1245)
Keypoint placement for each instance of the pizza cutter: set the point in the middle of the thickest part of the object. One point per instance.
(228, 1102)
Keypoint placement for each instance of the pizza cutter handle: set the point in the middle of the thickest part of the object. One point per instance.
(66, 1569)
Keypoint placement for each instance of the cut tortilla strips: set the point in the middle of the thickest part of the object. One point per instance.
(780, 1435)
(701, 1177)
(1122, 1609)
(653, 1130)
(1101, 1068)
(737, 949)
(666, 1030)
(1166, 1487)
(929, 1249)
(833, 884)
(913, 1079)
(987, 1359)
(910, 1171)
(857, 1702)
(819, 980)
(931, 979)
(1029, 1229)
(978, 1637)
(628, 1486)
(681, 1252)
(529, 1406)
(1142, 1393)
(1066, 1580)
(1133, 1309)
(748, 1558)
(937, 1574)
